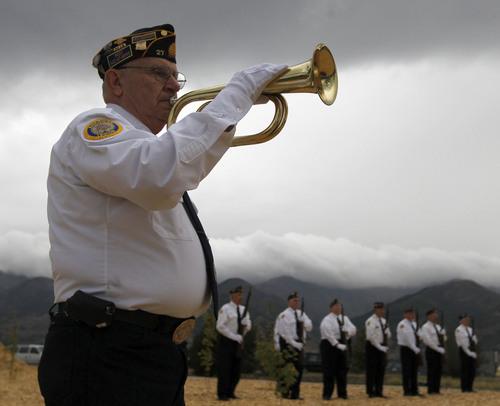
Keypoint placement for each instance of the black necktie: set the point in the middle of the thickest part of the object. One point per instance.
(468, 334)
(383, 330)
(437, 332)
(207, 251)
(239, 318)
(297, 330)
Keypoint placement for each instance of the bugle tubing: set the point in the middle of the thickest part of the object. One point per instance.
(317, 75)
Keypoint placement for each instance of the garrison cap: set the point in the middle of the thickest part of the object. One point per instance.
(335, 301)
(429, 312)
(378, 305)
(293, 295)
(409, 310)
(237, 289)
(463, 316)
(158, 42)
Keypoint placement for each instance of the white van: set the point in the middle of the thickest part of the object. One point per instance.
(29, 353)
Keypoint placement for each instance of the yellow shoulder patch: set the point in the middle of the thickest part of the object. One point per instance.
(282, 316)
(402, 326)
(220, 311)
(102, 128)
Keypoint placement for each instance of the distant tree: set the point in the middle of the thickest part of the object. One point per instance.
(249, 359)
(208, 348)
(358, 363)
(12, 347)
(452, 365)
(194, 358)
(272, 362)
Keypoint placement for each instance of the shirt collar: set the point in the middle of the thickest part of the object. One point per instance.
(131, 118)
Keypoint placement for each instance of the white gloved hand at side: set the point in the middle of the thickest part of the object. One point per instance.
(297, 345)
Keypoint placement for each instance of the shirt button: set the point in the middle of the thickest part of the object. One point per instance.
(239, 110)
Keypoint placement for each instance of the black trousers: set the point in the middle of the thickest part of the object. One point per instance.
(334, 369)
(228, 367)
(292, 355)
(122, 364)
(409, 369)
(467, 371)
(434, 369)
(375, 370)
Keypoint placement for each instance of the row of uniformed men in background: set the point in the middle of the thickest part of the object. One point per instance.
(336, 330)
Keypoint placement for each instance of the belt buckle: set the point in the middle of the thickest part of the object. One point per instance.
(183, 331)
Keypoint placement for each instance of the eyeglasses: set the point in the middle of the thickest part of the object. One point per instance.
(161, 73)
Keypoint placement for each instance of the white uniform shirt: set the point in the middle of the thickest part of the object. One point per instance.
(330, 328)
(227, 321)
(406, 335)
(117, 230)
(287, 325)
(430, 336)
(276, 334)
(463, 337)
(374, 331)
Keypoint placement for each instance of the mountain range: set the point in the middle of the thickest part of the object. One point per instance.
(24, 303)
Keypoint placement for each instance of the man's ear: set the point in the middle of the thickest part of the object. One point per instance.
(113, 81)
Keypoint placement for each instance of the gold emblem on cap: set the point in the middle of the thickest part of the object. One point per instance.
(164, 33)
(171, 50)
(120, 41)
(183, 331)
(141, 46)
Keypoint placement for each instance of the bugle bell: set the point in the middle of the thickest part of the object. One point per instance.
(317, 75)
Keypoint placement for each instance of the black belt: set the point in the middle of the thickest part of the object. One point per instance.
(178, 329)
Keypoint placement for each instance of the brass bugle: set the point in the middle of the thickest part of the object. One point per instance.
(317, 75)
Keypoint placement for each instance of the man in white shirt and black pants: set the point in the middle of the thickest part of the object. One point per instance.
(131, 265)
(433, 336)
(377, 336)
(292, 325)
(232, 327)
(336, 331)
(407, 333)
(466, 342)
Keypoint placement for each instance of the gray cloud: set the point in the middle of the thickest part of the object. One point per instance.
(307, 257)
(405, 157)
(25, 253)
(58, 36)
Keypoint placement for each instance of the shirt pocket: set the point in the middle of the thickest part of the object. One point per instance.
(172, 224)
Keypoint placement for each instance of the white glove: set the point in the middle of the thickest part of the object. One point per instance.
(474, 338)
(297, 345)
(383, 348)
(442, 332)
(277, 346)
(344, 329)
(417, 350)
(252, 81)
(441, 350)
(472, 354)
(244, 322)
(341, 347)
(238, 338)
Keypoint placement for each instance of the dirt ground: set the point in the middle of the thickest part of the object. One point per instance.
(21, 389)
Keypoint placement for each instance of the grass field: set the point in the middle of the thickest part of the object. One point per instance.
(19, 387)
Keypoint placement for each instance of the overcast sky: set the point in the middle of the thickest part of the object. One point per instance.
(397, 183)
